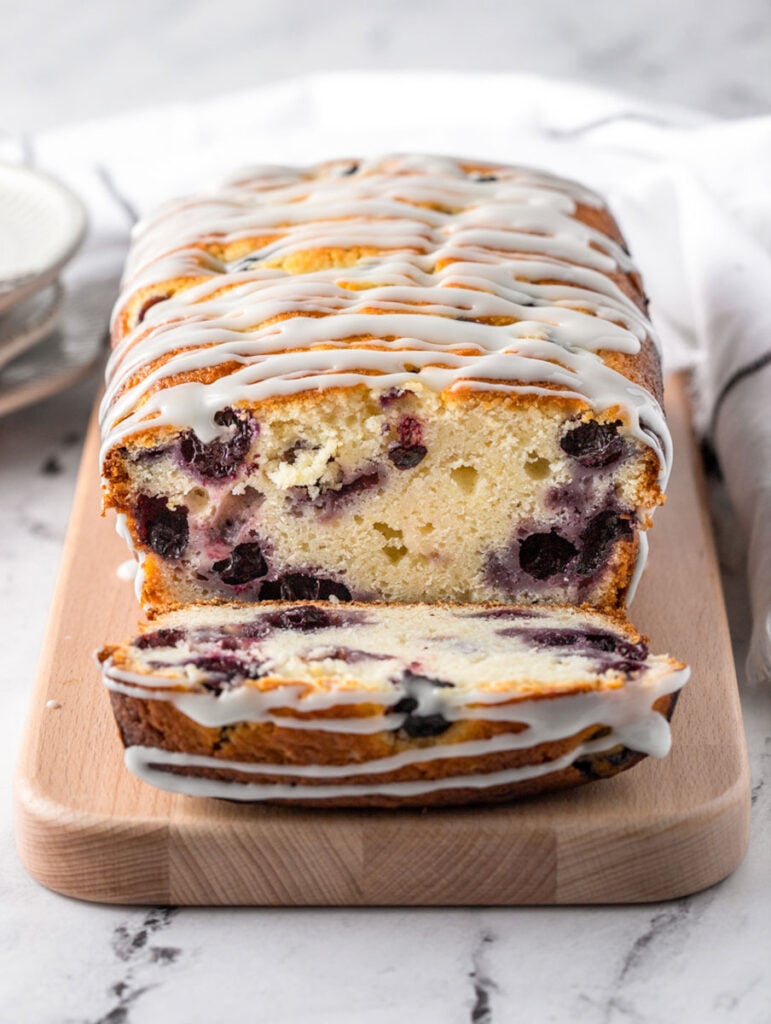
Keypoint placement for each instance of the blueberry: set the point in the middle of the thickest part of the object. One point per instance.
(584, 642)
(304, 618)
(296, 586)
(220, 459)
(159, 638)
(244, 563)
(594, 444)
(542, 555)
(627, 667)
(551, 637)
(419, 725)
(162, 528)
(407, 457)
(635, 652)
(601, 641)
(405, 706)
(227, 670)
(599, 536)
(425, 725)
(391, 395)
(222, 666)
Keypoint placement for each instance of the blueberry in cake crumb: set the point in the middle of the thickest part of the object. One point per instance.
(162, 528)
(303, 617)
(594, 444)
(390, 396)
(586, 643)
(542, 555)
(409, 452)
(220, 459)
(407, 458)
(296, 586)
(159, 638)
(405, 706)
(244, 564)
(603, 530)
(227, 671)
(417, 726)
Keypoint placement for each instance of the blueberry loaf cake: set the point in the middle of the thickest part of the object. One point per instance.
(361, 704)
(410, 379)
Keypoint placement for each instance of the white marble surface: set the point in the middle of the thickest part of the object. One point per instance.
(704, 958)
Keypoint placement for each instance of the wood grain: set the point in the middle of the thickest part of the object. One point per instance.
(87, 828)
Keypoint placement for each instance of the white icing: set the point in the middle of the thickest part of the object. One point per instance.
(122, 529)
(141, 761)
(626, 710)
(127, 570)
(504, 238)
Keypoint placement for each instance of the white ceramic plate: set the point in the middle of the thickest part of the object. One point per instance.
(42, 223)
(29, 321)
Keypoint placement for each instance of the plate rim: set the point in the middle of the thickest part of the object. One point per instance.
(31, 283)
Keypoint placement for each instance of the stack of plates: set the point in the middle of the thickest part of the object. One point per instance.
(42, 225)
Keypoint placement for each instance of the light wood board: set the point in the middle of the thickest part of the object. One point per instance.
(87, 828)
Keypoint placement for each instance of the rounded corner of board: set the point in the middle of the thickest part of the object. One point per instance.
(713, 842)
(81, 855)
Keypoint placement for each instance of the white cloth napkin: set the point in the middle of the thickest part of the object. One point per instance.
(692, 196)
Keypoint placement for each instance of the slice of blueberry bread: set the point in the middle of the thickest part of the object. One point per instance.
(414, 378)
(361, 704)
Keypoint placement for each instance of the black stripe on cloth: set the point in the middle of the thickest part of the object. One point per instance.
(736, 377)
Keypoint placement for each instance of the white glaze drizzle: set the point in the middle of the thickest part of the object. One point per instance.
(627, 710)
(505, 237)
(138, 575)
(127, 570)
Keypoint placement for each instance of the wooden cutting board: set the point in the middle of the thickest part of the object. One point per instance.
(87, 828)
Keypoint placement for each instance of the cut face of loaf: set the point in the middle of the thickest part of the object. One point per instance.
(375, 705)
(413, 379)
